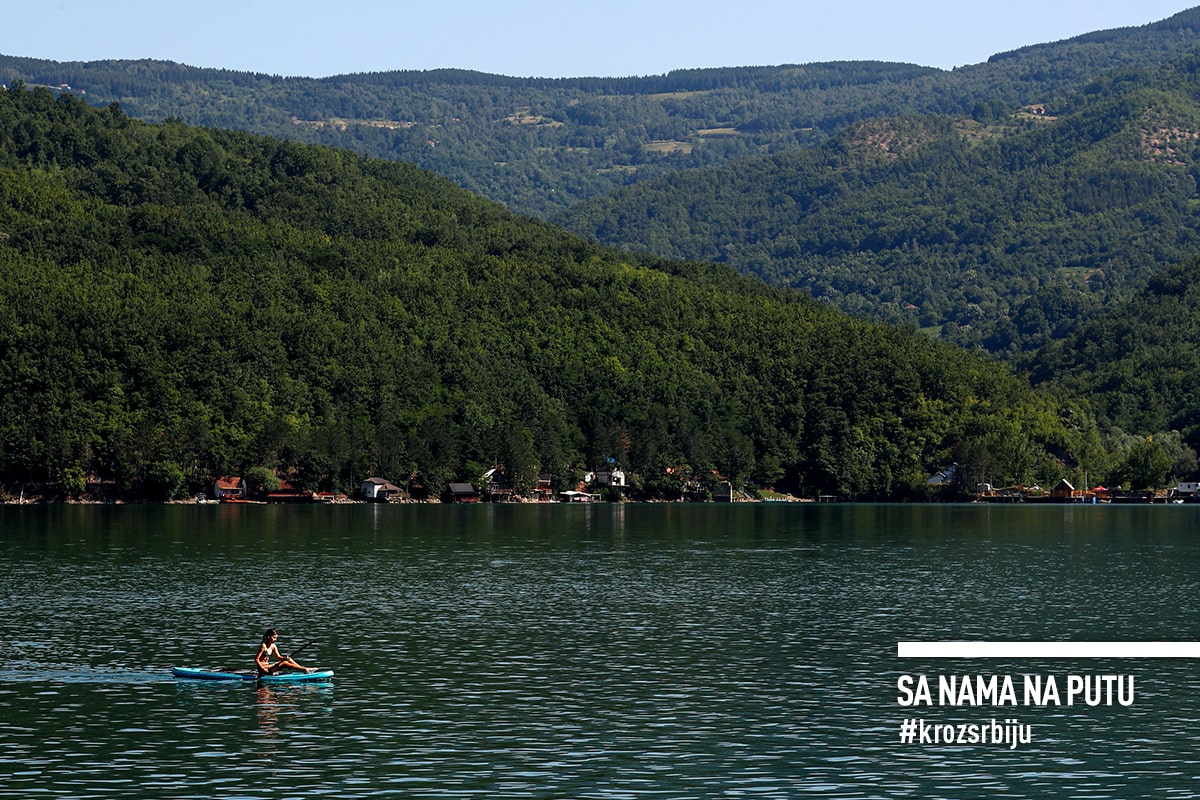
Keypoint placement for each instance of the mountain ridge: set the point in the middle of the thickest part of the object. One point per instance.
(1090, 199)
(539, 145)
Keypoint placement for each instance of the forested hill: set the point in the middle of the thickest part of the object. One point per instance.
(178, 303)
(1140, 365)
(541, 145)
(997, 236)
(1140, 362)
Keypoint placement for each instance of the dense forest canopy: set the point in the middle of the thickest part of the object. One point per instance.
(541, 145)
(1139, 362)
(179, 303)
(1000, 237)
(1139, 365)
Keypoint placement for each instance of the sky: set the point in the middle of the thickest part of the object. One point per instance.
(549, 38)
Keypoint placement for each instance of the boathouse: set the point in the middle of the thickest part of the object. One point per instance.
(379, 490)
(229, 487)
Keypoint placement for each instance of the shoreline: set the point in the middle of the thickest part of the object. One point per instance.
(791, 500)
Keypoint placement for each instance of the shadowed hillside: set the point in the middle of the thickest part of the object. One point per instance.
(1000, 237)
(179, 303)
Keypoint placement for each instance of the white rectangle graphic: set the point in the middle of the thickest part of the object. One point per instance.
(1048, 649)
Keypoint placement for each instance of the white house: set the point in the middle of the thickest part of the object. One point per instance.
(613, 477)
(379, 489)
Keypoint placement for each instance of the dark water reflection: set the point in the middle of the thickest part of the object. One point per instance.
(627, 651)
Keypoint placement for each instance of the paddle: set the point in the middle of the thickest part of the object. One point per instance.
(300, 649)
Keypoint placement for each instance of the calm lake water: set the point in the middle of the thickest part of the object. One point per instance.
(671, 651)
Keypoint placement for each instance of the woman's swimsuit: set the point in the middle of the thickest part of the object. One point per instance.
(262, 671)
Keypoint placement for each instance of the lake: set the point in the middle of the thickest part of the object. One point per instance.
(585, 651)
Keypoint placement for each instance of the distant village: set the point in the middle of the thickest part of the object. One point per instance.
(1064, 492)
(598, 485)
(612, 485)
(948, 482)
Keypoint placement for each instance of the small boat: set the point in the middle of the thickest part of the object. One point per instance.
(250, 675)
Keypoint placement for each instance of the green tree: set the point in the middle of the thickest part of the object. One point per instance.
(165, 480)
(1146, 466)
(260, 480)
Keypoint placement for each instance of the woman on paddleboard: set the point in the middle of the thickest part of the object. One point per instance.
(267, 649)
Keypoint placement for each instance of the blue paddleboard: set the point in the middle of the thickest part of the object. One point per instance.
(250, 675)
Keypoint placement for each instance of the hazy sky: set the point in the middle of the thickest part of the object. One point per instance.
(547, 38)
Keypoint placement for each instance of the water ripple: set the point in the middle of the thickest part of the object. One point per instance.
(595, 653)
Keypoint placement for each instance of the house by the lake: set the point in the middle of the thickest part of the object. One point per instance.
(230, 487)
(462, 493)
(380, 490)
